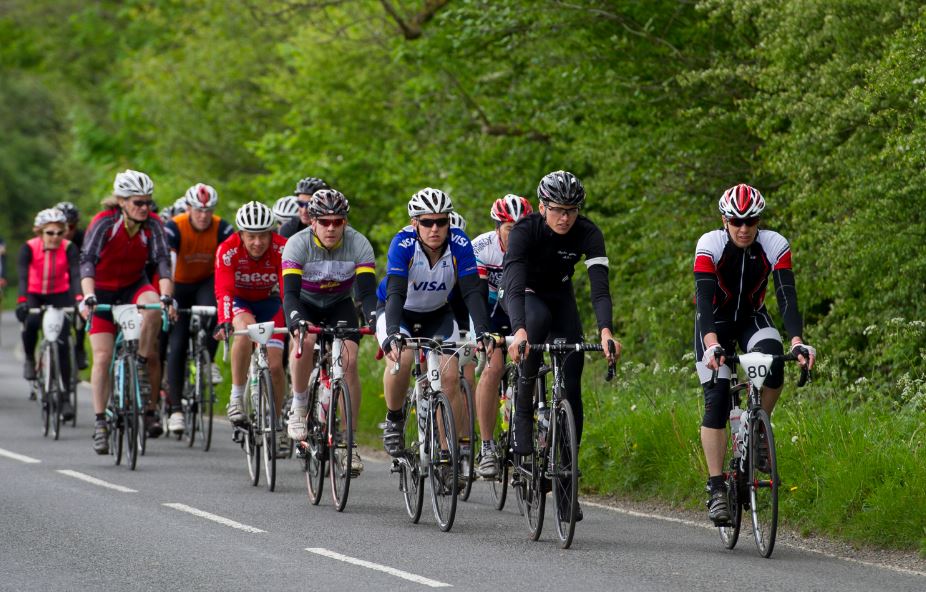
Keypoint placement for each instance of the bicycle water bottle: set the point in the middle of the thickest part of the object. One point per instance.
(735, 416)
(544, 426)
(507, 401)
(423, 404)
(324, 400)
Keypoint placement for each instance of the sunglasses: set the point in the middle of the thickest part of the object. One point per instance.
(737, 222)
(557, 211)
(142, 203)
(326, 222)
(429, 222)
(53, 233)
(302, 204)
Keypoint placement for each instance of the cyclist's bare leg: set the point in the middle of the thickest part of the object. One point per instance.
(714, 443)
(450, 383)
(770, 398)
(487, 394)
(277, 375)
(394, 386)
(301, 368)
(241, 349)
(352, 378)
(102, 346)
(148, 343)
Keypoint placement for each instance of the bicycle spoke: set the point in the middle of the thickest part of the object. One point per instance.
(268, 427)
(564, 472)
(444, 465)
(314, 451)
(340, 444)
(763, 482)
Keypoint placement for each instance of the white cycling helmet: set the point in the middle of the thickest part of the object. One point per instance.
(50, 216)
(254, 217)
(129, 183)
(457, 221)
(741, 201)
(429, 201)
(286, 208)
(169, 212)
(180, 205)
(201, 197)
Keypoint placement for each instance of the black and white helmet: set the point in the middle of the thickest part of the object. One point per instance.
(309, 186)
(50, 216)
(429, 201)
(328, 202)
(69, 210)
(286, 208)
(129, 183)
(457, 221)
(561, 187)
(202, 197)
(254, 217)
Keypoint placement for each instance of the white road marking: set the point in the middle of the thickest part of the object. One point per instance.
(213, 517)
(19, 457)
(95, 481)
(377, 567)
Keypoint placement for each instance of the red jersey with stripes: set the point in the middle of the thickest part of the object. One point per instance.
(117, 260)
(238, 275)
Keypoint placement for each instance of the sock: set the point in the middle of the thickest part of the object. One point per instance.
(488, 445)
(394, 416)
(300, 399)
(101, 417)
(715, 483)
(237, 391)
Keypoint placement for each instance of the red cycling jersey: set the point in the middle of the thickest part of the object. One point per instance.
(238, 275)
(116, 260)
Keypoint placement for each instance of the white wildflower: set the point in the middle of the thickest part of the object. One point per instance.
(794, 439)
(861, 380)
(870, 329)
(633, 407)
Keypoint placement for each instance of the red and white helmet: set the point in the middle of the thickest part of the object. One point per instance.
(510, 208)
(741, 201)
(202, 197)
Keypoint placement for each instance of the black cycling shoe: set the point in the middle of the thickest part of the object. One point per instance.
(762, 464)
(393, 437)
(81, 356)
(579, 515)
(29, 369)
(717, 509)
(66, 410)
(153, 424)
(101, 437)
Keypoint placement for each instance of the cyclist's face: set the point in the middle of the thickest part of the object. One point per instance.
(256, 243)
(71, 231)
(52, 235)
(137, 207)
(200, 219)
(503, 231)
(329, 229)
(559, 218)
(432, 229)
(742, 236)
(304, 216)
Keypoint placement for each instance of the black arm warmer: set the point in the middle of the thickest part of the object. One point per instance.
(366, 293)
(786, 294)
(396, 292)
(471, 288)
(22, 264)
(601, 296)
(74, 269)
(292, 286)
(705, 288)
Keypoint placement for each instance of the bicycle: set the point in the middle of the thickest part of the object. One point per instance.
(752, 480)
(431, 440)
(198, 399)
(125, 409)
(467, 355)
(503, 426)
(48, 386)
(258, 435)
(553, 465)
(329, 423)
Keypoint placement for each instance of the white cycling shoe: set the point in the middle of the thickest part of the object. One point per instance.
(176, 424)
(296, 427)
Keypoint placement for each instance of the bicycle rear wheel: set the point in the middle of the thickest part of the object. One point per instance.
(267, 422)
(535, 495)
(132, 414)
(316, 453)
(340, 444)
(763, 482)
(467, 438)
(205, 398)
(188, 401)
(411, 481)
(444, 469)
(500, 481)
(564, 463)
(734, 478)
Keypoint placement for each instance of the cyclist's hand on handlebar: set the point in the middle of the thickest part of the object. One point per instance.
(222, 331)
(606, 337)
(392, 346)
(22, 312)
(487, 341)
(514, 350)
(714, 357)
(86, 306)
(295, 325)
(806, 354)
(169, 304)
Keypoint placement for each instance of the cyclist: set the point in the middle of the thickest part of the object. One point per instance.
(121, 240)
(248, 269)
(320, 266)
(305, 189)
(285, 209)
(425, 261)
(538, 296)
(731, 268)
(48, 274)
(193, 238)
(490, 249)
(76, 236)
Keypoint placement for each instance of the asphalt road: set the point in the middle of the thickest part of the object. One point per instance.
(190, 520)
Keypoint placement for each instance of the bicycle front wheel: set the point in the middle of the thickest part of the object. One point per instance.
(188, 401)
(41, 387)
(763, 482)
(131, 396)
(411, 481)
(444, 469)
(54, 391)
(467, 438)
(564, 465)
(315, 446)
(268, 428)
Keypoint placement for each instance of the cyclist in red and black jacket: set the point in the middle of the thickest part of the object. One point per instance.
(120, 241)
(731, 268)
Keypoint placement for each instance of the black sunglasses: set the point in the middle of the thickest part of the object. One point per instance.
(302, 204)
(140, 203)
(54, 233)
(737, 222)
(429, 222)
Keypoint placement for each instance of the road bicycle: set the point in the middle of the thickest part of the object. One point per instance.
(752, 478)
(507, 386)
(554, 463)
(330, 432)
(49, 387)
(198, 398)
(124, 413)
(258, 434)
(467, 355)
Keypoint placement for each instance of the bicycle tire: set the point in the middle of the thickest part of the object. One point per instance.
(53, 385)
(268, 428)
(729, 533)
(315, 451)
(764, 483)
(443, 473)
(467, 465)
(205, 400)
(114, 411)
(40, 383)
(72, 384)
(503, 439)
(340, 444)
(564, 461)
(411, 481)
(189, 398)
(131, 413)
(250, 443)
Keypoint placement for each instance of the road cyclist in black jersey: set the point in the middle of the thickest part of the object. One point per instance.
(731, 268)
(538, 296)
(305, 189)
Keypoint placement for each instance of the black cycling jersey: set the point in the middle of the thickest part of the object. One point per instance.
(540, 260)
(291, 227)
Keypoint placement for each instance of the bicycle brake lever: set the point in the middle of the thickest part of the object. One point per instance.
(805, 377)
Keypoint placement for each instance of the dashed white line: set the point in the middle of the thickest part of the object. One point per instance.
(19, 457)
(95, 481)
(213, 517)
(377, 567)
